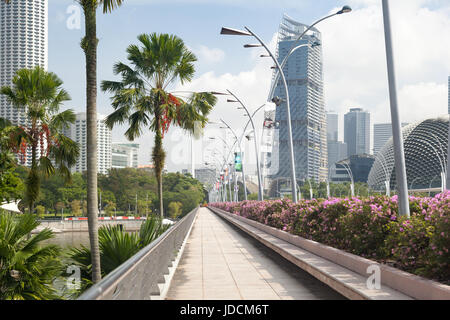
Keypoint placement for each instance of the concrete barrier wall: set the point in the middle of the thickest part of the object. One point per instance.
(401, 281)
(77, 226)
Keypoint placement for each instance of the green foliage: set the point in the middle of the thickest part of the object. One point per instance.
(40, 211)
(252, 196)
(40, 94)
(116, 246)
(27, 268)
(110, 208)
(75, 206)
(174, 209)
(182, 188)
(11, 187)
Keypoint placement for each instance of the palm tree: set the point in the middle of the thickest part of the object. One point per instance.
(141, 99)
(27, 268)
(89, 46)
(40, 95)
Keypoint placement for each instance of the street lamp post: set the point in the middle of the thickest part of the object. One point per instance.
(399, 155)
(349, 171)
(260, 186)
(242, 156)
(248, 32)
(387, 182)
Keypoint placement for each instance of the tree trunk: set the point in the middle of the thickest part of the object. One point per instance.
(33, 180)
(89, 45)
(158, 161)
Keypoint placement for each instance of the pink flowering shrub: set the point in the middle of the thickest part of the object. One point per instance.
(369, 227)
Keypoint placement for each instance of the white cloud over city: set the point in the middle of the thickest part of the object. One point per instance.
(354, 64)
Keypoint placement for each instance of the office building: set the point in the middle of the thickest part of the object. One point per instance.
(337, 150)
(77, 132)
(358, 165)
(382, 132)
(23, 44)
(124, 155)
(207, 176)
(304, 75)
(357, 131)
(332, 126)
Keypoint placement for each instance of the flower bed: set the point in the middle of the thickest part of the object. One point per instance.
(368, 227)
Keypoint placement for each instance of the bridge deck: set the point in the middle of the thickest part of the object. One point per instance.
(221, 262)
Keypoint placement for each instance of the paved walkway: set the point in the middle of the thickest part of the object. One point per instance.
(221, 262)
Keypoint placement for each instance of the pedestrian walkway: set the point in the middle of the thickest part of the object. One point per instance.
(221, 262)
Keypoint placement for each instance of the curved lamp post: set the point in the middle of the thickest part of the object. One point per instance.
(441, 162)
(387, 182)
(349, 171)
(260, 186)
(248, 32)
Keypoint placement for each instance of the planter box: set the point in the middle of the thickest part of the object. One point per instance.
(395, 284)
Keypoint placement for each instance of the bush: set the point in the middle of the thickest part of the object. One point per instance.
(368, 227)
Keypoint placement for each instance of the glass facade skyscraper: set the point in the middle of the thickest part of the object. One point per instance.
(304, 76)
(357, 131)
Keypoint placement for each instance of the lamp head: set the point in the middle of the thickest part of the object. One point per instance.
(345, 9)
(277, 100)
(234, 32)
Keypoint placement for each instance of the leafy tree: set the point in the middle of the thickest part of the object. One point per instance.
(110, 208)
(11, 186)
(40, 94)
(59, 207)
(28, 268)
(141, 99)
(75, 206)
(40, 211)
(175, 209)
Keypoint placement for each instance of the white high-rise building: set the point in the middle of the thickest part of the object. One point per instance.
(77, 132)
(124, 155)
(23, 44)
(382, 132)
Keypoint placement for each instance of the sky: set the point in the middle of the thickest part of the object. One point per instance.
(354, 60)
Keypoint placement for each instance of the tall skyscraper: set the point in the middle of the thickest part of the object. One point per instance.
(304, 76)
(23, 44)
(382, 132)
(77, 132)
(357, 131)
(332, 126)
(337, 150)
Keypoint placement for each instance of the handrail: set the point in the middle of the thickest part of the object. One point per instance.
(138, 277)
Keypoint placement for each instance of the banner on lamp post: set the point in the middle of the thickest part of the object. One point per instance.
(238, 161)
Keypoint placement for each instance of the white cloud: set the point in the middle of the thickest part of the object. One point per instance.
(208, 55)
(354, 66)
(355, 59)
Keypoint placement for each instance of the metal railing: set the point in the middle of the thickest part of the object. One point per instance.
(138, 277)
